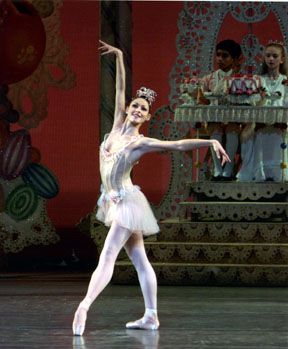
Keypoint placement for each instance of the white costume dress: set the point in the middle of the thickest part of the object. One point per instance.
(261, 151)
(268, 154)
(121, 201)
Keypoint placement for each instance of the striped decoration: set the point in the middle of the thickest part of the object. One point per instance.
(16, 154)
(43, 180)
(22, 202)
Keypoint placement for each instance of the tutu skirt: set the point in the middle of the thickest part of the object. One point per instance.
(130, 209)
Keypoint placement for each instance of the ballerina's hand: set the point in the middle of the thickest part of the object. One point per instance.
(220, 152)
(106, 48)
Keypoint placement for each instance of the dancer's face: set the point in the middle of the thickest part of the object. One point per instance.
(273, 57)
(224, 60)
(138, 111)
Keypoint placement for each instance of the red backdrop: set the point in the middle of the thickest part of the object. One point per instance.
(69, 137)
(154, 54)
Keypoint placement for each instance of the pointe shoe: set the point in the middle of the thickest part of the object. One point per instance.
(79, 321)
(144, 324)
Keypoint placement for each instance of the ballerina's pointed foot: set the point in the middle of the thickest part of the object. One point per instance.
(79, 322)
(144, 324)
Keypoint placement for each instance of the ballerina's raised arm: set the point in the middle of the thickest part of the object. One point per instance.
(119, 113)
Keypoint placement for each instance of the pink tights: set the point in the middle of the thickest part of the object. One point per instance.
(117, 238)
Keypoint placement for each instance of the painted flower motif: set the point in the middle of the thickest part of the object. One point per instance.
(249, 13)
(188, 43)
(34, 89)
(199, 9)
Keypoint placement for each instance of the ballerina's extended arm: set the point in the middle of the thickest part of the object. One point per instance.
(148, 145)
(120, 82)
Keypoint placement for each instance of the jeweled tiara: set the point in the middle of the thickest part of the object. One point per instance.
(147, 94)
(276, 42)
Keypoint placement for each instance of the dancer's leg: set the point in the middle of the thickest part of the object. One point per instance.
(148, 282)
(115, 240)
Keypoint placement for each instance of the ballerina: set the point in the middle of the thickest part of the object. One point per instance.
(122, 206)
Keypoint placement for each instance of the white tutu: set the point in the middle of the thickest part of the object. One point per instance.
(129, 208)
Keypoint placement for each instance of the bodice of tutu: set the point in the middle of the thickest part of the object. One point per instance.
(120, 200)
(115, 169)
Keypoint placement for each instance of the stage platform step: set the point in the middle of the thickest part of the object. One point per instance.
(218, 274)
(235, 211)
(187, 221)
(176, 229)
(229, 253)
(240, 191)
(224, 204)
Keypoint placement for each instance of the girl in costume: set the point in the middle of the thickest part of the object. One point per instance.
(268, 151)
(122, 206)
(262, 156)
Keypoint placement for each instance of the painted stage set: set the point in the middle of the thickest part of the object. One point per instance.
(221, 257)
